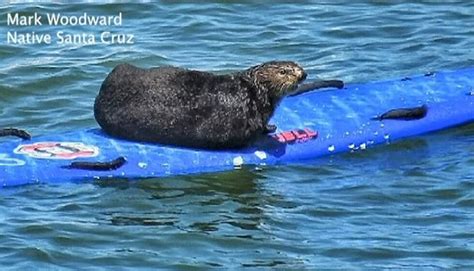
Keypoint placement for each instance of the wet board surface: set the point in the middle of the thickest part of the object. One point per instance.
(310, 125)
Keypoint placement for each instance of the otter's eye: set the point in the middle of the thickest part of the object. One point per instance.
(282, 72)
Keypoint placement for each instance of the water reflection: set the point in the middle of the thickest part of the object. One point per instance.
(203, 203)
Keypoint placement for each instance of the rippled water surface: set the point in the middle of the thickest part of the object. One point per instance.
(406, 205)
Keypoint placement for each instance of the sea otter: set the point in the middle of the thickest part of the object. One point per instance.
(189, 108)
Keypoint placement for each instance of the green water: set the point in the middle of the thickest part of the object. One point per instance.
(409, 205)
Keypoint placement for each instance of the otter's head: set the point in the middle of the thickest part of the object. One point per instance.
(278, 77)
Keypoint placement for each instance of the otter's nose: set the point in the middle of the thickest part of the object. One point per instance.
(303, 77)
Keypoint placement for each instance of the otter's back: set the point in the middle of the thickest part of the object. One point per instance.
(169, 104)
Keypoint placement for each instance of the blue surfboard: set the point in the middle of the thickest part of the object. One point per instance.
(310, 125)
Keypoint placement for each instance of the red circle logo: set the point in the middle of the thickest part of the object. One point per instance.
(58, 150)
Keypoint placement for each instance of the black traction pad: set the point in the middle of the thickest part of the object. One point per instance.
(412, 113)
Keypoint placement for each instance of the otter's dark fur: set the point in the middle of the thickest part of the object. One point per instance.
(190, 108)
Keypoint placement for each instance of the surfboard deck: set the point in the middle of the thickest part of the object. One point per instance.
(310, 125)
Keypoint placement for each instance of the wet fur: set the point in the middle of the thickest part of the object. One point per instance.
(176, 106)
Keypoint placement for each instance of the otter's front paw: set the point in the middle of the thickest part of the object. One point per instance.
(270, 128)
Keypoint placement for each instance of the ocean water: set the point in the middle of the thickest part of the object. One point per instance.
(407, 205)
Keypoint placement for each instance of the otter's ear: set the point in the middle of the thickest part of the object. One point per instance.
(282, 71)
